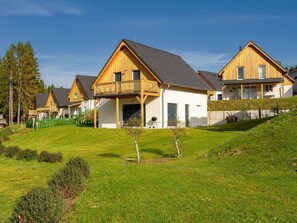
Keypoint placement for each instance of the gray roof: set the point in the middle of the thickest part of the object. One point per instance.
(168, 68)
(61, 96)
(40, 100)
(212, 79)
(254, 81)
(86, 82)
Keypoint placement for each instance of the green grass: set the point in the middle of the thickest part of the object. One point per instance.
(246, 176)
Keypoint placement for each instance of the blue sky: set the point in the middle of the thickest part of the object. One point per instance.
(78, 36)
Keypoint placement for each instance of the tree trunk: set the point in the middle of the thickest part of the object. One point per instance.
(137, 150)
(10, 101)
(176, 146)
(19, 106)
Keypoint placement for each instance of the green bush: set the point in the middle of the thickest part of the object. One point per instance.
(45, 156)
(82, 165)
(2, 149)
(40, 205)
(28, 154)
(68, 182)
(12, 151)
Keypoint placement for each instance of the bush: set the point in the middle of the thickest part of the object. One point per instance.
(39, 205)
(2, 149)
(68, 182)
(12, 151)
(45, 156)
(28, 154)
(79, 163)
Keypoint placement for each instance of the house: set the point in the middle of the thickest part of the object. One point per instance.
(39, 106)
(81, 97)
(57, 103)
(252, 73)
(293, 75)
(2, 121)
(156, 86)
(214, 82)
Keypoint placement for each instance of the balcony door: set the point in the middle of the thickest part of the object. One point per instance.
(132, 111)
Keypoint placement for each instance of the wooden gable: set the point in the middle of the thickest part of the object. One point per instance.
(250, 57)
(51, 102)
(124, 61)
(77, 92)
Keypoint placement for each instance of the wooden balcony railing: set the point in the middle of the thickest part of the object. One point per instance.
(127, 87)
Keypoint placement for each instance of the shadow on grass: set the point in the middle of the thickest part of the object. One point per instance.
(109, 155)
(158, 152)
(238, 126)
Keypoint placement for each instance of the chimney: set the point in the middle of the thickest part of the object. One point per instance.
(239, 48)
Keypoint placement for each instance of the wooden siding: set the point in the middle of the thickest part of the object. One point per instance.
(250, 58)
(78, 90)
(288, 81)
(125, 62)
(51, 103)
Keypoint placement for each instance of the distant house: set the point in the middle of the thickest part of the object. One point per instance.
(151, 84)
(252, 73)
(81, 97)
(57, 103)
(2, 121)
(39, 106)
(293, 75)
(214, 82)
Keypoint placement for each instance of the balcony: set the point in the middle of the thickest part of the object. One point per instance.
(127, 88)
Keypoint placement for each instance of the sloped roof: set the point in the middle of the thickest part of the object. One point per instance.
(251, 43)
(86, 83)
(212, 79)
(40, 100)
(60, 95)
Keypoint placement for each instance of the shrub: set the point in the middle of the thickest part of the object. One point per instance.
(28, 154)
(12, 151)
(2, 149)
(82, 165)
(68, 182)
(39, 205)
(45, 156)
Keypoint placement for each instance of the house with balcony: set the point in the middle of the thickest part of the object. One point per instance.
(81, 97)
(214, 82)
(57, 103)
(252, 73)
(293, 75)
(147, 83)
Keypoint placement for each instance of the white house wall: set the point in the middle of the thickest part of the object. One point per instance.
(288, 91)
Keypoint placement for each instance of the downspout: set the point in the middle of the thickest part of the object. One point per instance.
(163, 115)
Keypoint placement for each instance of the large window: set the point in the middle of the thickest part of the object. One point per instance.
(240, 73)
(136, 75)
(250, 92)
(117, 76)
(172, 114)
(262, 71)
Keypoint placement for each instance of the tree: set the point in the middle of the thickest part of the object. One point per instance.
(179, 132)
(133, 128)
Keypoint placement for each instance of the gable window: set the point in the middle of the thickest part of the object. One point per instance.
(262, 71)
(75, 96)
(136, 75)
(240, 73)
(268, 88)
(117, 76)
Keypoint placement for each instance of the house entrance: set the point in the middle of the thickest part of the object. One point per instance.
(132, 111)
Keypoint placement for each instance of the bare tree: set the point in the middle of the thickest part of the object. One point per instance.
(133, 127)
(179, 131)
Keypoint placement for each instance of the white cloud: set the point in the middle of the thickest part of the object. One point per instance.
(61, 69)
(202, 60)
(36, 8)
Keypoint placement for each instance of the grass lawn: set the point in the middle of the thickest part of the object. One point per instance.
(247, 176)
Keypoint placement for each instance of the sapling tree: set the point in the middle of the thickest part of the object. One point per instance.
(178, 131)
(133, 127)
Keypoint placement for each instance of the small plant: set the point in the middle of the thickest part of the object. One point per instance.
(40, 205)
(178, 131)
(45, 156)
(28, 154)
(12, 151)
(68, 182)
(79, 163)
(2, 149)
(132, 126)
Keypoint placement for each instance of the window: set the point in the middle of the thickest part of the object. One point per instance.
(268, 88)
(136, 75)
(240, 73)
(172, 114)
(250, 92)
(82, 95)
(117, 76)
(75, 96)
(262, 71)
